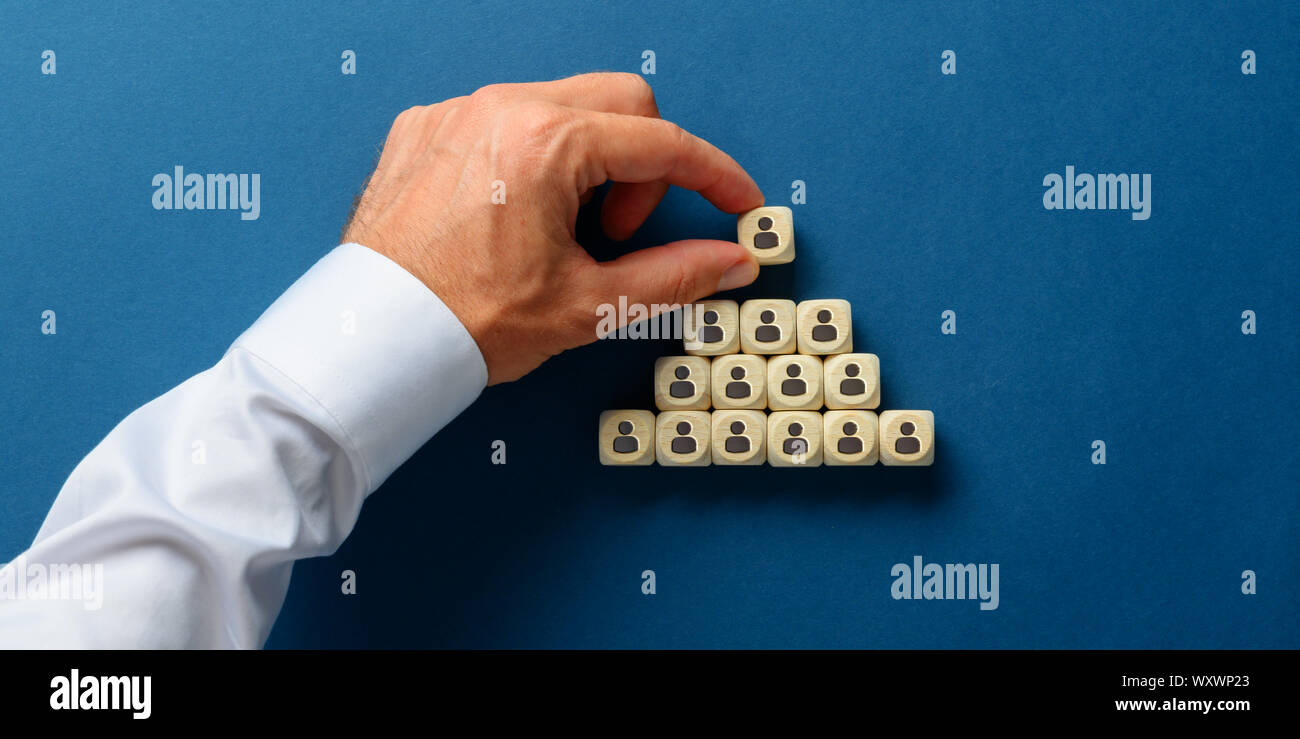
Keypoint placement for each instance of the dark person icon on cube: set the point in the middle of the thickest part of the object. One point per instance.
(796, 444)
(683, 444)
(793, 386)
(766, 238)
(849, 443)
(767, 331)
(625, 443)
(710, 333)
(737, 444)
(682, 387)
(907, 443)
(824, 331)
(852, 385)
(738, 389)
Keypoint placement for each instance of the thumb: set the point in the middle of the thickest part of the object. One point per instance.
(678, 273)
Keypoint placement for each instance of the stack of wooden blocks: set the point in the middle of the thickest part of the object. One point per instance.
(767, 381)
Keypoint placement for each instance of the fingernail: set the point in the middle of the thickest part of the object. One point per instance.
(738, 275)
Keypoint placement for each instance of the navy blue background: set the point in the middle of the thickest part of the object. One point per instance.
(924, 194)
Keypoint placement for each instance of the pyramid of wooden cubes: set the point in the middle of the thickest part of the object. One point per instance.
(767, 381)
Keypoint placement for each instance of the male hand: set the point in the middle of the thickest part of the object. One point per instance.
(512, 273)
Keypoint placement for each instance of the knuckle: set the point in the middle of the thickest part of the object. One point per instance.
(447, 105)
(536, 124)
(669, 130)
(641, 90)
(493, 96)
(674, 138)
(405, 116)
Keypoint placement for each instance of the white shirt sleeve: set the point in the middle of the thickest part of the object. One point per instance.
(194, 508)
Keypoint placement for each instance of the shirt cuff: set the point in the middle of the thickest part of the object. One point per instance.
(376, 348)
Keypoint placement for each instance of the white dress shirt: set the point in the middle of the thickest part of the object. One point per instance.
(195, 506)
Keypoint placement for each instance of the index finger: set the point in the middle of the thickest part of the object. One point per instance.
(627, 148)
(610, 92)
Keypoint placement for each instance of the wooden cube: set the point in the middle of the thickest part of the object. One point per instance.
(794, 439)
(627, 438)
(682, 384)
(794, 383)
(711, 327)
(907, 438)
(768, 234)
(824, 326)
(739, 381)
(767, 327)
(682, 439)
(851, 381)
(849, 438)
(739, 437)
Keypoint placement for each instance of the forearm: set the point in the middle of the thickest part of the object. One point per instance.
(198, 503)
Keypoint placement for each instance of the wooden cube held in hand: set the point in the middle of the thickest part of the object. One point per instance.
(768, 234)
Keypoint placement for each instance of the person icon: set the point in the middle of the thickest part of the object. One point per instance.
(683, 444)
(625, 443)
(710, 332)
(852, 385)
(767, 330)
(736, 443)
(737, 389)
(907, 443)
(849, 443)
(766, 238)
(681, 387)
(796, 444)
(793, 386)
(824, 331)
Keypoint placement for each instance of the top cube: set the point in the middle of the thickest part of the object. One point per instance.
(768, 234)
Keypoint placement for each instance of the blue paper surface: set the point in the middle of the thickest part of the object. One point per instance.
(924, 194)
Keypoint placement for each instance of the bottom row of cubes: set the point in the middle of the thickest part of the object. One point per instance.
(753, 437)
